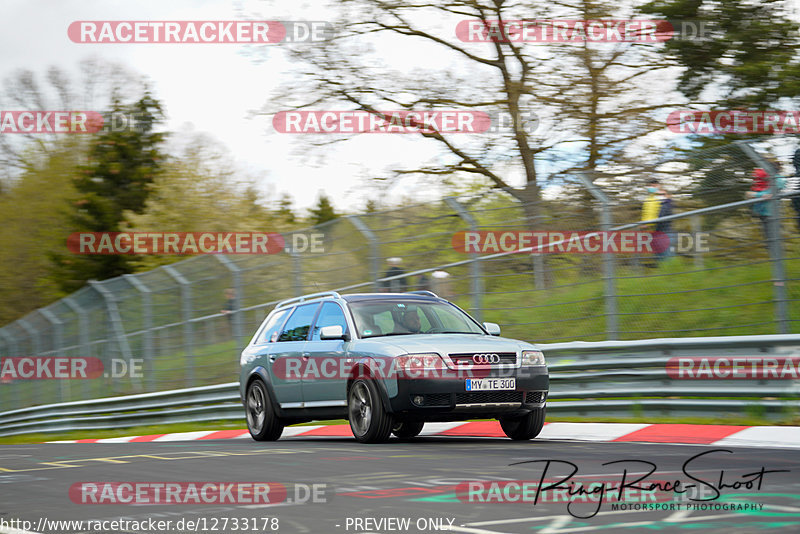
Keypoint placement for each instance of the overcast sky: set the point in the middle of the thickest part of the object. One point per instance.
(212, 87)
(208, 87)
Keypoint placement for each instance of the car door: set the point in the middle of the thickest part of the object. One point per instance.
(325, 382)
(286, 356)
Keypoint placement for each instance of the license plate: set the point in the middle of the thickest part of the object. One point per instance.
(491, 384)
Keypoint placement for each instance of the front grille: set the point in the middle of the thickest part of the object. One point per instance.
(487, 397)
(466, 358)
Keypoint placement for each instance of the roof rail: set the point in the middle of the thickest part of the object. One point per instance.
(424, 292)
(304, 298)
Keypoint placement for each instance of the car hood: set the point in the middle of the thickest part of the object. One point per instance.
(451, 343)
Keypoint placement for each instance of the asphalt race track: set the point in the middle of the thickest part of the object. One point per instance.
(403, 486)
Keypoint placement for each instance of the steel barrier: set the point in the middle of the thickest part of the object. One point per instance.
(612, 378)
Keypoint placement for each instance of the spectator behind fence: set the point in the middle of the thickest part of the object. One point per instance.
(665, 227)
(651, 204)
(440, 284)
(658, 204)
(760, 188)
(793, 186)
(398, 285)
(230, 306)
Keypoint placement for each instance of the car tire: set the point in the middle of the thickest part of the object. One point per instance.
(525, 427)
(262, 422)
(369, 421)
(407, 429)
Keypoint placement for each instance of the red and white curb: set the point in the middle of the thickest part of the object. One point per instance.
(728, 436)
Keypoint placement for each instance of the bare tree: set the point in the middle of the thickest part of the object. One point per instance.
(95, 85)
(595, 102)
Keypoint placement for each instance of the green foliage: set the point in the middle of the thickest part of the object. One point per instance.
(28, 235)
(750, 55)
(197, 191)
(323, 211)
(118, 176)
(285, 213)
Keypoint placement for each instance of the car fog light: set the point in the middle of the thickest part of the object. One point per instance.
(418, 400)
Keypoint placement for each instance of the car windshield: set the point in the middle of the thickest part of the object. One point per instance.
(404, 317)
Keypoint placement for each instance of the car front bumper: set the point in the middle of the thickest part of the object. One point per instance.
(447, 398)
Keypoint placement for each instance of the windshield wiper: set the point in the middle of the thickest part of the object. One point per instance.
(453, 332)
(402, 333)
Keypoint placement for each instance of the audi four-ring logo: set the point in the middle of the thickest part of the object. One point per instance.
(486, 358)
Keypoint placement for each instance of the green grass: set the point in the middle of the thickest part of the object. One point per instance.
(671, 300)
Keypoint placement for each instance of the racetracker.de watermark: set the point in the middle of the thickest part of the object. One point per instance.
(138, 493)
(198, 31)
(734, 121)
(563, 31)
(198, 492)
(51, 122)
(396, 121)
(569, 242)
(582, 31)
(409, 367)
(734, 368)
(183, 243)
(67, 368)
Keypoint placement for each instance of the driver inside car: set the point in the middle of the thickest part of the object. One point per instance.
(410, 321)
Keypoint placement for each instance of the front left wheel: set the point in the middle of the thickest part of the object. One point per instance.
(262, 422)
(525, 427)
(407, 429)
(369, 421)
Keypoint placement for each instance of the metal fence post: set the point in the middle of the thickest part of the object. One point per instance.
(297, 273)
(374, 253)
(83, 334)
(774, 243)
(609, 268)
(238, 315)
(9, 342)
(475, 266)
(697, 255)
(37, 349)
(147, 325)
(36, 343)
(58, 343)
(116, 321)
(186, 313)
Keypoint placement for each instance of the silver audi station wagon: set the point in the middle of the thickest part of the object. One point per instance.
(389, 363)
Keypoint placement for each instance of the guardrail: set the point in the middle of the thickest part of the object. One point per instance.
(612, 378)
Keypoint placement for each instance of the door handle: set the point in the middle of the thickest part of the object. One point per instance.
(272, 358)
(306, 355)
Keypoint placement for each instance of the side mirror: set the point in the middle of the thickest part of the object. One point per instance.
(332, 332)
(492, 328)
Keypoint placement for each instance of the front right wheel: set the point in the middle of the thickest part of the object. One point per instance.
(369, 421)
(525, 427)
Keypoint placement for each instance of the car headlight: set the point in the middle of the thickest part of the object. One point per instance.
(413, 362)
(532, 357)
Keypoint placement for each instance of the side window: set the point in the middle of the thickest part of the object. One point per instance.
(330, 315)
(298, 325)
(272, 326)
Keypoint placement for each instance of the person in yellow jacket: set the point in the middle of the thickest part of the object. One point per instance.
(652, 204)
